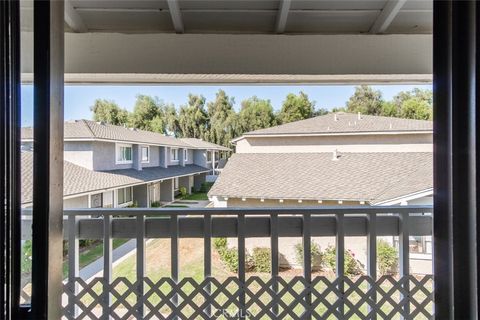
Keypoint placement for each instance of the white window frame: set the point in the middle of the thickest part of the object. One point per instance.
(127, 203)
(148, 153)
(174, 151)
(206, 156)
(185, 155)
(118, 147)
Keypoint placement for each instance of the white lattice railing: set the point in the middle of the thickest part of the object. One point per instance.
(256, 297)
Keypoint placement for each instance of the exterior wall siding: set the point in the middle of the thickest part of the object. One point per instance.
(154, 157)
(76, 203)
(357, 143)
(104, 157)
(79, 153)
(189, 156)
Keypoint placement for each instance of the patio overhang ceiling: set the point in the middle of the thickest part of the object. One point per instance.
(265, 41)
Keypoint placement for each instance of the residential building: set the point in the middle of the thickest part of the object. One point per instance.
(113, 166)
(339, 159)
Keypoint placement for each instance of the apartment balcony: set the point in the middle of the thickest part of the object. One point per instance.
(260, 296)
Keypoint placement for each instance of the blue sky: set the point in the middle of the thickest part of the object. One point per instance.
(78, 99)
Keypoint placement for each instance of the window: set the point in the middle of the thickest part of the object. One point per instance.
(209, 156)
(174, 154)
(124, 195)
(145, 154)
(185, 155)
(124, 153)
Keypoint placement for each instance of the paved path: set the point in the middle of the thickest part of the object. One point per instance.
(193, 203)
(118, 255)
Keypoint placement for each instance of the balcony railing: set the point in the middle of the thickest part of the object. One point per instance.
(254, 297)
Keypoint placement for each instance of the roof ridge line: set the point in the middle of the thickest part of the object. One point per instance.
(88, 127)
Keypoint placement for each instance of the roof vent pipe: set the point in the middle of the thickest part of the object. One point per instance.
(359, 116)
(335, 117)
(335, 155)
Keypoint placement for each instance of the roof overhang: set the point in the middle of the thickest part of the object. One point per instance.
(405, 198)
(240, 58)
(320, 134)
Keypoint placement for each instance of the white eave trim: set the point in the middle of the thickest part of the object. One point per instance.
(279, 135)
(405, 198)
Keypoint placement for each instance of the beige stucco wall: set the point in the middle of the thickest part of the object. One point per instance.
(75, 203)
(352, 143)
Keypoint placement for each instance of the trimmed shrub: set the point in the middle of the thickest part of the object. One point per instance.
(261, 259)
(155, 204)
(219, 243)
(205, 187)
(229, 256)
(315, 253)
(387, 258)
(352, 265)
(133, 205)
(183, 192)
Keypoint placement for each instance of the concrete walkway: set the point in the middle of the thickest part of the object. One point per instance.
(118, 255)
(193, 203)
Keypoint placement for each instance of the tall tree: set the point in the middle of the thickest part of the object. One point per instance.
(148, 114)
(365, 100)
(415, 104)
(171, 119)
(255, 114)
(296, 107)
(109, 112)
(320, 112)
(223, 119)
(193, 118)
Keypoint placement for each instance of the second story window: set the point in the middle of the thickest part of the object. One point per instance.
(145, 154)
(209, 156)
(174, 154)
(124, 153)
(185, 154)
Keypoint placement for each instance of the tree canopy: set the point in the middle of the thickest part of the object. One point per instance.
(365, 100)
(295, 108)
(109, 112)
(256, 114)
(217, 121)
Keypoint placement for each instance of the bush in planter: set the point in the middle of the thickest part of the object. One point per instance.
(183, 192)
(387, 258)
(315, 253)
(155, 204)
(205, 187)
(261, 259)
(229, 256)
(134, 204)
(352, 265)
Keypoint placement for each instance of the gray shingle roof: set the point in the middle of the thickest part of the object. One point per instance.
(88, 130)
(78, 180)
(371, 177)
(200, 144)
(346, 123)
